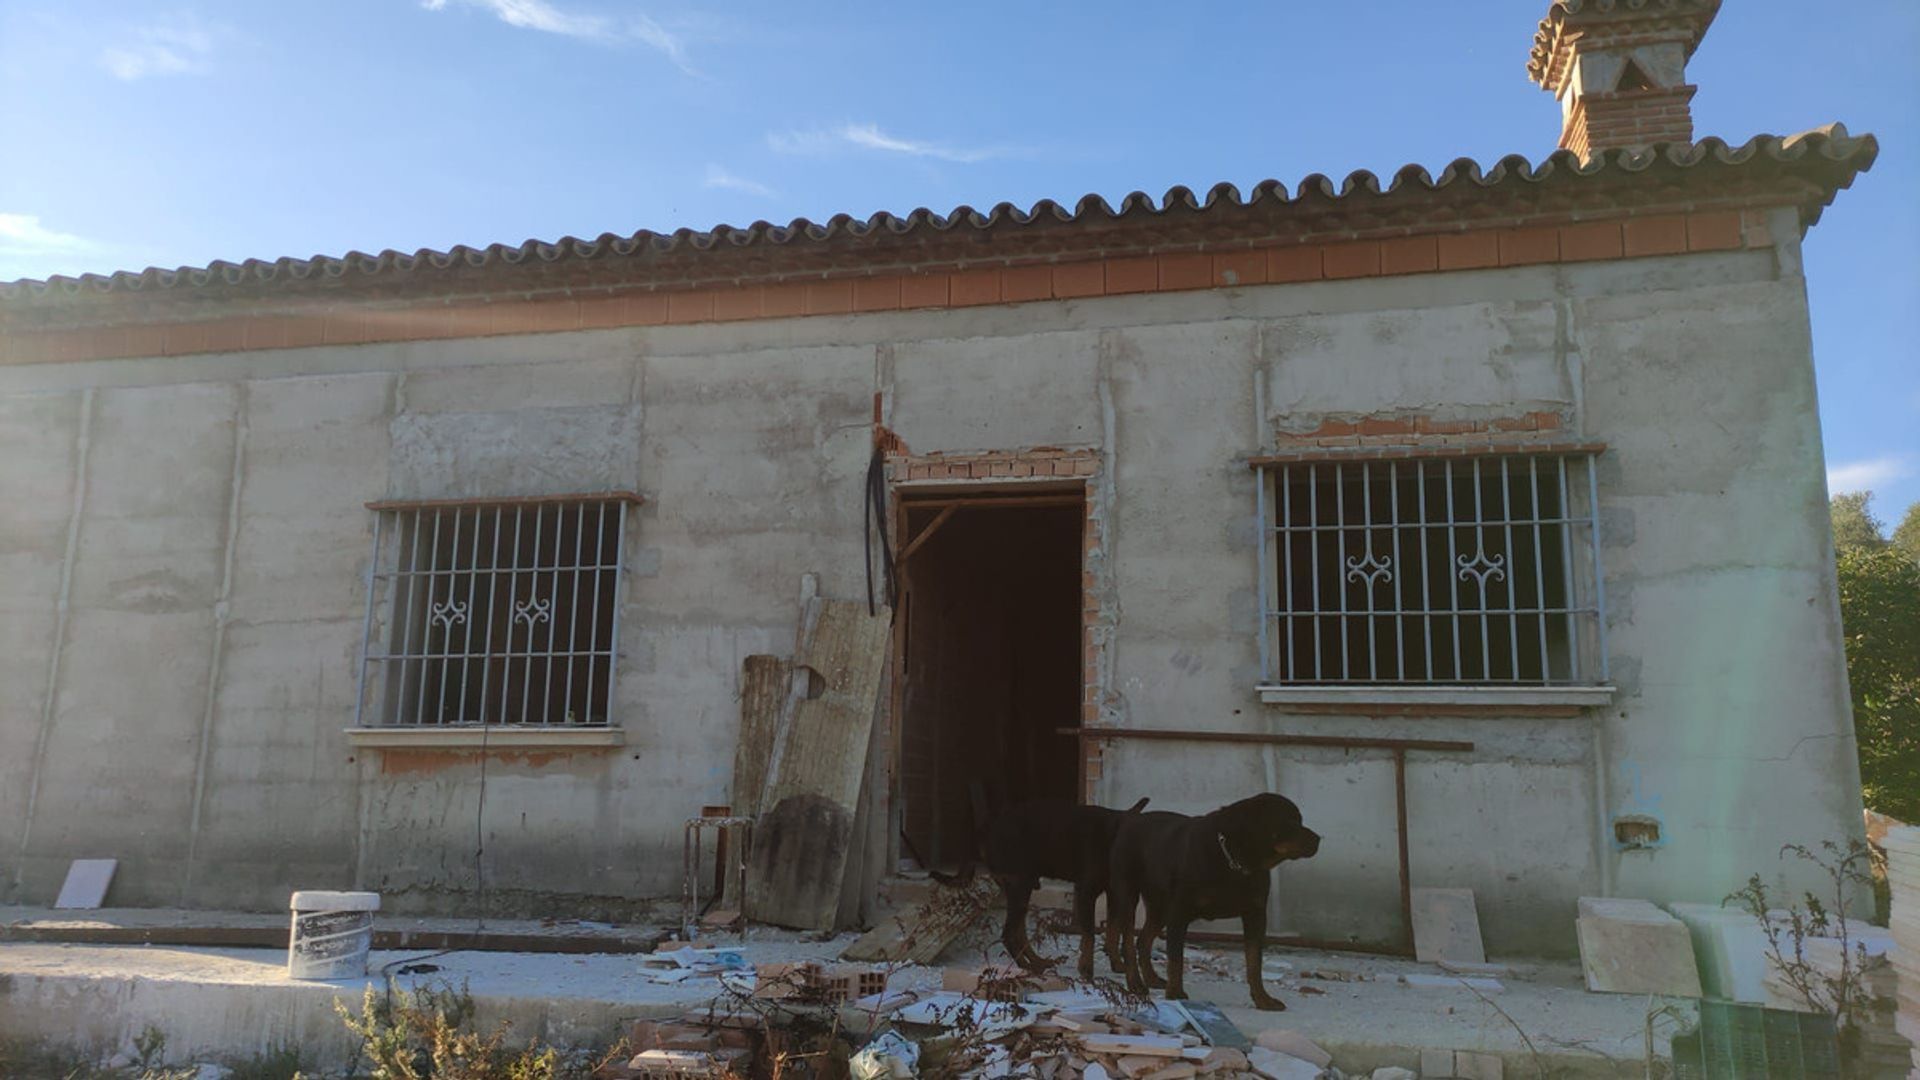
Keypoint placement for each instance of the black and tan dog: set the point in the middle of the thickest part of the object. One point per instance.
(1212, 867)
(1052, 839)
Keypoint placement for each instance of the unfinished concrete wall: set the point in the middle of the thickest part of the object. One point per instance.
(206, 666)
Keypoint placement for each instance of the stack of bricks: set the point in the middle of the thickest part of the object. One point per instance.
(1404, 430)
(1413, 436)
(832, 984)
(1628, 119)
(1039, 462)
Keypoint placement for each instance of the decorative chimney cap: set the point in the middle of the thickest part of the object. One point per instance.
(1619, 22)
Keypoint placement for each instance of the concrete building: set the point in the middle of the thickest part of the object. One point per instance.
(1522, 460)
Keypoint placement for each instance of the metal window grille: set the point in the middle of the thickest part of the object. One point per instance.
(1432, 572)
(493, 613)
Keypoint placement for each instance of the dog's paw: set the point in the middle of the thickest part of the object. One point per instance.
(1176, 994)
(1270, 1004)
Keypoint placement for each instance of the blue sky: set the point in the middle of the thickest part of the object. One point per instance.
(151, 133)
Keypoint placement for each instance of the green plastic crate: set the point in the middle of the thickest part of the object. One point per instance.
(1749, 1042)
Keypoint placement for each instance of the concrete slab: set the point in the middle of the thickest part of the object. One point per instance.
(1446, 926)
(238, 1002)
(86, 884)
(1730, 949)
(1632, 947)
(247, 929)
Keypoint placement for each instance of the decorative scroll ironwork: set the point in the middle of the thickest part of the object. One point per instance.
(1482, 568)
(533, 611)
(447, 615)
(1371, 568)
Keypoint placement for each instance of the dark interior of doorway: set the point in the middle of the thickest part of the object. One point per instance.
(991, 664)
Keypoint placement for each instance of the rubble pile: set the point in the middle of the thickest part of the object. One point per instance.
(813, 1020)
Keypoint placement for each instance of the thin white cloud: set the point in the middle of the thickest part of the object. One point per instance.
(536, 15)
(668, 44)
(22, 234)
(1867, 474)
(178, 48)
(30, 249)
(718, 177)
(870, 137)
(546, 18)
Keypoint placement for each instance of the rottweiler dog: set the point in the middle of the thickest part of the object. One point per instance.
(1052, 838)
(1212, 867)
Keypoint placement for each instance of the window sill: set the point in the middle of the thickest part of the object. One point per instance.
(1488, 700)
(502, 737)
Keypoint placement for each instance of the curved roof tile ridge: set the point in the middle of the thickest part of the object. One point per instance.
(1831, 143)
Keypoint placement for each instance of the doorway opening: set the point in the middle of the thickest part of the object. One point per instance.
(990, 660)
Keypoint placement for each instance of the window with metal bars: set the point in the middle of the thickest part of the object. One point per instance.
(1437, 572)
(494, 613)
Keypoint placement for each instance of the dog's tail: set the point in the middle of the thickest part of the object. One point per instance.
(1139, 806)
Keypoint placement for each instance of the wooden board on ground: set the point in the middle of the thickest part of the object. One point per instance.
(86, 884)
(867, 855)
(920, 934)
(1163, 1046)
(763, 692)
(804, 834)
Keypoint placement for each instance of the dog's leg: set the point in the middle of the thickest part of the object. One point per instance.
(1084, 894)
(1253, 931)
(1177, 920)
(1121, 901)
(1143, 947)
(1116, 958)
(1018, 892)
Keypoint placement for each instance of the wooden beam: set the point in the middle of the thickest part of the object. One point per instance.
(926, 534)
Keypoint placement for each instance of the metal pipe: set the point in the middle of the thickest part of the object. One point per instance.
(1289, 668)
(1599, 578)
(366, 625)
(1265, 537)
(619, 577)
(1400, 816)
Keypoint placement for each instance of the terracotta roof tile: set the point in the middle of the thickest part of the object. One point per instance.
(1815, 165)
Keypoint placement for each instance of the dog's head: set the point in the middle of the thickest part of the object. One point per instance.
(1267, 829)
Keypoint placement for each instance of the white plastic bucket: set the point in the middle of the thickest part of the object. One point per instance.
(332, 934)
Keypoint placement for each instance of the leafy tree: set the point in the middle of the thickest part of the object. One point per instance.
(1907, 536)
(1854, 525)
(1880, 609)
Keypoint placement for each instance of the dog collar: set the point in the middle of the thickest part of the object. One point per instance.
(1232, 863)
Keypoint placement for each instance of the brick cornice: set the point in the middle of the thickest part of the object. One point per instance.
(1386, 251)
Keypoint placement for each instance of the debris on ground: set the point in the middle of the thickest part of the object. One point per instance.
(801, 1021)
(920, 934)
(1295, 1044)
(689, 962)
(1422, 981)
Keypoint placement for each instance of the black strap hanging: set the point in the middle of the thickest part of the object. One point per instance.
(875, 505)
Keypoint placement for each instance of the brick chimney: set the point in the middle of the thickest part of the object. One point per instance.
(1619, 70)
